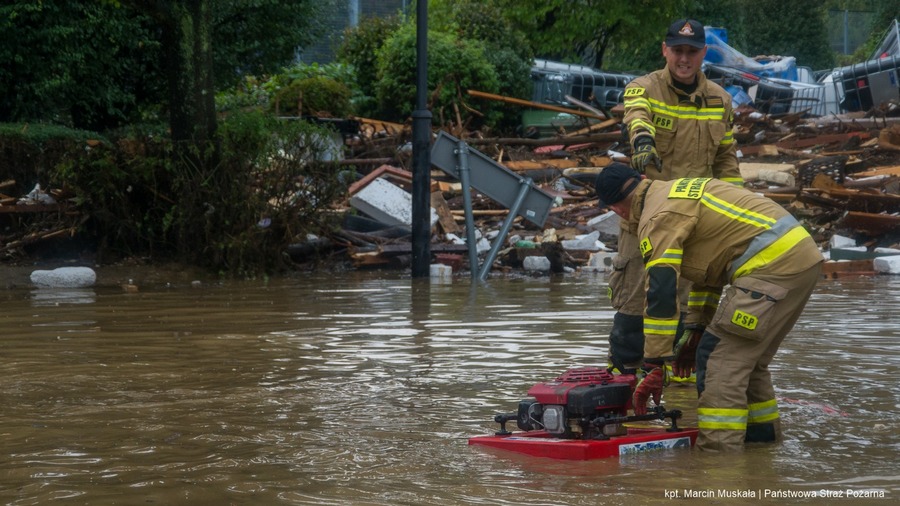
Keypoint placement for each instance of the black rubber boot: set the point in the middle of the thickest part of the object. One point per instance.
(761, 433)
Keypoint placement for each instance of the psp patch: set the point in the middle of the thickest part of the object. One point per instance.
(664, 122)
(646, 247)
(634, 92)
(746, 320)
(688, 188)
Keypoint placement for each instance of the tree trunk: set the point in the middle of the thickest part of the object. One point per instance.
(187, 44)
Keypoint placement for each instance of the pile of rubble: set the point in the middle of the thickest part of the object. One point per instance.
(840, 175)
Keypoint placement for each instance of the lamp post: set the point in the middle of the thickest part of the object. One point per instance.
(421, 187)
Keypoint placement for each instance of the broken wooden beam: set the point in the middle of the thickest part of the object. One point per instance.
(536, 105)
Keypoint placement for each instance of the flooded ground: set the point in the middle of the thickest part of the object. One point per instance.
(363, 389)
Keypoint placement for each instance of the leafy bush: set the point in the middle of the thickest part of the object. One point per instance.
(358, 49)
(316, 96)
(454, 66)
(29, 152)
(238, 215)
(260, 92)
(506, 48)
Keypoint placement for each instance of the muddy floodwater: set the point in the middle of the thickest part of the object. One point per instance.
(363, 389)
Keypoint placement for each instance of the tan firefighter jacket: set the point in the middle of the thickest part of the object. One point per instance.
(693, 133)
(711, 233)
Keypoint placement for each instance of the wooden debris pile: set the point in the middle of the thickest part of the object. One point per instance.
(32, 218)
(840, 175)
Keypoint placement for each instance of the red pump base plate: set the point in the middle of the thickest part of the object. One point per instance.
(543, 444)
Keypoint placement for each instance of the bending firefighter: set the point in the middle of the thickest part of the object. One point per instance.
(679, 125)
(715, 234)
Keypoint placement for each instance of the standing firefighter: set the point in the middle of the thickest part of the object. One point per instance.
(715, 234)
(679, 125)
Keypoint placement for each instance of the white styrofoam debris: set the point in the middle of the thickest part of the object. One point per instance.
(585, 243)
(536, 263)
(600, 261)
(65, 277)
(441, 271)
(387, 203)
(888, 265)
(608, 223)
(839, 241)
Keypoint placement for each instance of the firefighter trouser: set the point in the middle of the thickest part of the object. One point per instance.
(737, 399)
(627, 294)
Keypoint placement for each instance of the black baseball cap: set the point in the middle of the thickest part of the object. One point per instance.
(610, 184)
(686, 32)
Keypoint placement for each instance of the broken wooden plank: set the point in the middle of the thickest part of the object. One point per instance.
(536, 105)
(32, 208)
(445, 217)
(380, 171)
(551, 163)
(550, 141)
(893, 170)
(876, 224)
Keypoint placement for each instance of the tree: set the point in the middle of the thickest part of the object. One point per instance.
(582, 31)
(776, 27)
(82, 64)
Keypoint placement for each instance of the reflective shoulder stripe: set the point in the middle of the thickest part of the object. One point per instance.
(765, 248)
(637, 102)
(738, 181)
(722, 418)
(728, 139)
(765, 411)
(738, 213)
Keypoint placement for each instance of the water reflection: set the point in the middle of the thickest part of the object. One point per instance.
(56, 296)
(364, 388)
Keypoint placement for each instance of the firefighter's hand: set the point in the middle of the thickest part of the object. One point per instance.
(644, 154)
(650, 387)
(685, 362)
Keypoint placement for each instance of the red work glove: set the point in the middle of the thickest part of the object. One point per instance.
(649, 387)
(685, 362)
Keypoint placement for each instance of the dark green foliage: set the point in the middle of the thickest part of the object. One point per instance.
(358, 49)
(85, 64)
(505, 46)
(317, 96)
(269, 190)
(259, 37)
(123, 190)
(454, 66)
(776, 27)
(237, 216)
(30, 152)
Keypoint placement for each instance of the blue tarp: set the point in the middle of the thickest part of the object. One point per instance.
(720, 53)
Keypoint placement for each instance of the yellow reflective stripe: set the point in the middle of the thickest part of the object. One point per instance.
(641, 102)
(722, 418)
(639, 123)
(728, 139)
(765, 411)
(698, 299)
(737, 213)
(669, 256)
(781, 246)
(660, 326)
(687, 112)
(739, 181)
